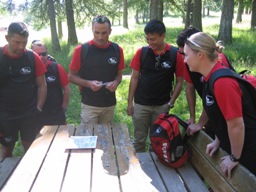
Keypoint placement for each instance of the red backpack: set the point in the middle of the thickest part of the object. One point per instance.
(167, 142)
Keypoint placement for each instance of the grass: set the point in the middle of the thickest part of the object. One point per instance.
(241, 53)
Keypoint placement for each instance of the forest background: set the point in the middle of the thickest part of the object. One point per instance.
(61, 35)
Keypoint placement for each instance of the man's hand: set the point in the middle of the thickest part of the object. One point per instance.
(130, 109)
(212, 147)
(227, 165)
(193, 128)
(111, 86)
(95, 85)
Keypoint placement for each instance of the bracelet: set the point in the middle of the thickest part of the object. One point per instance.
(233, 158)
(170, 105)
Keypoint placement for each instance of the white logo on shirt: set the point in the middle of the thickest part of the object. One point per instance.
(112, 61)
(25, 71)
(209, 100)
(50, 79)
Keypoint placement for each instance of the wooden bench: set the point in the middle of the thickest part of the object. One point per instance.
(200, 173)
(209, 167)
(7, 166)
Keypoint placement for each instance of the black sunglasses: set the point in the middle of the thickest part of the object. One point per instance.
(42, 54)
(158, 59)
(101, 19)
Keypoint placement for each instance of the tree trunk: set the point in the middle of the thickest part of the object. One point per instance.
(188, 8)
(125, 15)
(240, 11)
(197, 14)
(160, 10)
(156, 9)
(253, 19)
(60, 31)
(54, 35)
(225, 31)
(72, 37)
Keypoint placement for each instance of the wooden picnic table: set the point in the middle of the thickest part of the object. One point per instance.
(49, 166)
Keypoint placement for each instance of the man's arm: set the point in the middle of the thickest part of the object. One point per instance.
(132, 88)
(66, 96)
(177, 89)
(41, 92)
(191, 98)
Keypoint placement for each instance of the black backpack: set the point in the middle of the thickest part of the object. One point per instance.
(31, 57)
(85, 49)
(167, 142)
(225, 72)
(173, 53)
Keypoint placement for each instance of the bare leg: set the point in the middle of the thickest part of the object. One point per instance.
(26, 145)
(7, 151)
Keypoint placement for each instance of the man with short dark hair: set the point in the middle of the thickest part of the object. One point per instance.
(22, 90)
(151, 87)
(98, 73)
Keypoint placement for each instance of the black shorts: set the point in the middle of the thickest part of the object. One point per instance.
(10, 130)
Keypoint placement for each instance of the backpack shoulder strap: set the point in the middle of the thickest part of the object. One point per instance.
(31, 56)
(225, 72)
(84, 52)
(173, 53)
(117, 50)
(144, 52)
(55, 68)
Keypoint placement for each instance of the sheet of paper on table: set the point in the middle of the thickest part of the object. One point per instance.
(82, 142)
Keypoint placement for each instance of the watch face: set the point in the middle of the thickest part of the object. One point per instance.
(233, 158)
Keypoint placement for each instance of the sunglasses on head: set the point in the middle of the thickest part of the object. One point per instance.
(42, 54)
(101, 19)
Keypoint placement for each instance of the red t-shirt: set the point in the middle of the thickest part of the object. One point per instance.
(228, 95)
(39, 65)
(135, 63)
(75, 63)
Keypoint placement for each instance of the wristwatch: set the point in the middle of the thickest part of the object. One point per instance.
(170, 105)
(233, 158)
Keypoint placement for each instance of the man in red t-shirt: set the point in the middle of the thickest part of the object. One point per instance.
(23, 90)
(98, 74)
(150, 91)
(58, 89)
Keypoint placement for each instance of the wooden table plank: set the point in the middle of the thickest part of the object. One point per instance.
(130, 170)
(7, 166)
(150, 170)
(191, 178)
(105, 175)
(53, 169)
(170, 177)
(25, 173)
(78, 174)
